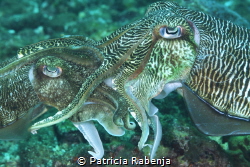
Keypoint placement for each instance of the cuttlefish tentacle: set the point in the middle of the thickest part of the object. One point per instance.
(128, 124)
(140, 116)
(130, 67)
(121, 115)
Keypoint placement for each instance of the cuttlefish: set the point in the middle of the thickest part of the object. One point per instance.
(171, 47)
(52, 80)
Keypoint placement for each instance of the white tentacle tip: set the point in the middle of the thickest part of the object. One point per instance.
(97, 155)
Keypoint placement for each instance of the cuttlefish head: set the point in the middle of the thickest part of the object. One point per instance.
(56, 81)
(155, 50)
(52, 79)
(19, 100)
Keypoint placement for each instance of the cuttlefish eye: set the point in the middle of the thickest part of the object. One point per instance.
(51, 71)
(171, 32)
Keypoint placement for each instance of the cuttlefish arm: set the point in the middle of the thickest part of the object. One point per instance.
(102, 106)
(154, 119)
(90, 133)
(90, 112)
(136, 110)
(155, 124)
(102, 110)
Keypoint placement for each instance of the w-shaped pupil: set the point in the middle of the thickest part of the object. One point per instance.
(171, 30)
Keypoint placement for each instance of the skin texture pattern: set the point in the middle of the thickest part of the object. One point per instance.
(171, 47)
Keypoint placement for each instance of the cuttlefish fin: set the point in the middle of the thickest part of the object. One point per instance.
(210, 120)
(90, 133)
(19, 129)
